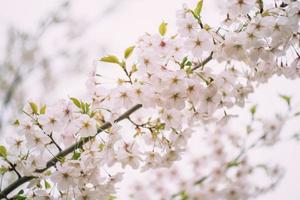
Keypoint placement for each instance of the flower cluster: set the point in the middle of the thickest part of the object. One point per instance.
(218, 163)
(76, 150)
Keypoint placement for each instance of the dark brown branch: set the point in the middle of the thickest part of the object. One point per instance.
(13, 168)
(55, 159)
(53, 142)
(204, 62)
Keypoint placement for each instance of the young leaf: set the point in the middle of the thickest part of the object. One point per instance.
(47, 184)
(286, 98)
(16, 122)
(134, 68)
(110, 59)
(232, 164)
(253, 109)
(3, 170)
(20, 197)
(184, 60)
(76, 102)
(128, 52)
(112, 198)
(3, 151)
(198, 8)
(163, 28)
(206, 27)
(33, 107)
(43, 109)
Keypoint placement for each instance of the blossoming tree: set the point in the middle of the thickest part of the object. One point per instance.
(173, 86)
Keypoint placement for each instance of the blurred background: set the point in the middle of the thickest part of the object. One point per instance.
(47, 49)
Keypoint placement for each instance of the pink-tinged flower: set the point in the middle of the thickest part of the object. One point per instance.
(87, 126)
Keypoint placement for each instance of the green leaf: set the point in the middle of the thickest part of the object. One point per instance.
(110, 59)
(163, 28)
(206, 27)
(92, 114)
(112, 198)
(233, 163)
(101, 146)
(85, 107)
(3, 170)
(76, 102)
(47, 184)
(16, 122)
(184, 60)
(182, 195)
(128, 52)
(198, 8)
(33, 107)
(20, 197)
(253, 109)
(43, 109)
(3, 151)
(21, 192)
(76, 155)
(188, 63)
(286, 98)
(134, 68)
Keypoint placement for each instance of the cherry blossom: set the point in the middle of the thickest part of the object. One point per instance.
(144, 120)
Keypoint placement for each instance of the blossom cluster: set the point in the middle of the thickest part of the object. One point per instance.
(210, 168)
(172, 90)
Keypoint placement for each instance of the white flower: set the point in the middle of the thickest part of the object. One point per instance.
(172, 118)
(32, 163)
(153, 159)
(194, 90)
(118, 177)
(272, 129)
(234, 46)
(199, 43)
(16, 144)
(129, 155)
(175, 99)
(122, 97)
(87, 126)
(260, 26)
(177, 49)
(148, 61)
(66, 109)
(239, 7)
(41, 195)
(187, 26)
(38, 140)
(241, 93)
(180, 139)
(51, 121)
(65, 176)
(26, 126)
(161, 45)
(210, 99)
(67, 135)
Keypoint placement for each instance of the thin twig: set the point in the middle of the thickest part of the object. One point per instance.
(204, 62)
(55, 159)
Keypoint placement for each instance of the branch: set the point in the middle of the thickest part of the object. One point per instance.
(204, 62)
(53, 142)
(13, 168)
(55, 159)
